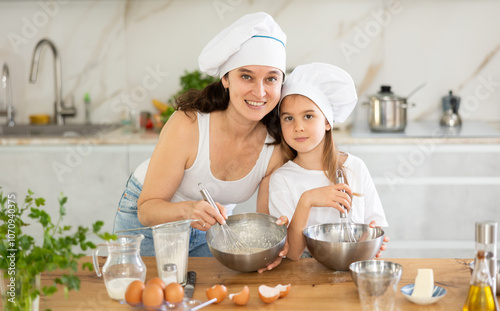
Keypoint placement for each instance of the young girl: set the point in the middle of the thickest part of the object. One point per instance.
(314, 97)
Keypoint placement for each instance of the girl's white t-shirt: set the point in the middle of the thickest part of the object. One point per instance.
(291, 180)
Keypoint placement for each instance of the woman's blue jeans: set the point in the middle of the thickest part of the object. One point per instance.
(126, 218)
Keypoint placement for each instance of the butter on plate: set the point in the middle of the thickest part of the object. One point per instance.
(424, 283)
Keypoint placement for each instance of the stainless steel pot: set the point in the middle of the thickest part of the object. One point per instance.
(387, 111)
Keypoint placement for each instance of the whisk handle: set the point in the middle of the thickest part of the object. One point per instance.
(340, 180)
(206, 195)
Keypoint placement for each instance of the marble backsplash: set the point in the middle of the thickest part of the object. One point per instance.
(124, 53)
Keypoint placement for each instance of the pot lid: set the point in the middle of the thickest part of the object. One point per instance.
(385, 93)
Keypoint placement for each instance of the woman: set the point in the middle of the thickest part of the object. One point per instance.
(220, 136)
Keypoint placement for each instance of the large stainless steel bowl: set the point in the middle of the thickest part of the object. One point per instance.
(323, 244)
(259, 231)
(380, 267)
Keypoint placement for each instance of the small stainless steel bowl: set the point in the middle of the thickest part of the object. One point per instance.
(375, 266)
(471, 266)
(323, 244)
(259, 231)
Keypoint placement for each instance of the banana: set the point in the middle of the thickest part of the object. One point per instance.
(159, 105)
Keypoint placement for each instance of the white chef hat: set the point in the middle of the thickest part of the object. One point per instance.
(329, 87)
(254, 39)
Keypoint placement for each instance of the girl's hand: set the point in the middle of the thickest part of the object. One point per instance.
(283, 220)
(331, 196)
(207, 215)
(373, 224)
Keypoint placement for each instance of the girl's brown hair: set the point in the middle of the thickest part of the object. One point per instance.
(215, 97)
(331, 157)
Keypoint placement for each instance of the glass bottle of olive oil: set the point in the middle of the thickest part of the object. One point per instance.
(480, 297)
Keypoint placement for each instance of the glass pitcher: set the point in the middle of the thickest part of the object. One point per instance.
(123, 264)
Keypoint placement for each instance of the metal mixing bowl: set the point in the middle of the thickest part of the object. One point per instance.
(323, 244)
(259, 231)
(375, 266)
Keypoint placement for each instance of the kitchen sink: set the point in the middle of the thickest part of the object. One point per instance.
(67, 130)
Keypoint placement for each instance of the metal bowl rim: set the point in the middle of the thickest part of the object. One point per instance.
(355, 265)
(332, 224)
(265, 250)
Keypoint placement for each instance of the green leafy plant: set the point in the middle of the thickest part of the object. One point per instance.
(190, 80)
(193, 80)
(22, 260)
(165, 115)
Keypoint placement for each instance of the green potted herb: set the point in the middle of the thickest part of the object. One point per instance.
(23, 259)
(190, 80)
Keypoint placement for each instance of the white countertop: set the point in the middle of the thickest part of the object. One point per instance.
(117, 137)
(342, 137)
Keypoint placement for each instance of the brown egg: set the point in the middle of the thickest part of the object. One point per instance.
(152, 296)
(217, 291)
(174, 293)
(157, 280)
(133, 294)
(268, 294)
(242, 297)
(284, 289)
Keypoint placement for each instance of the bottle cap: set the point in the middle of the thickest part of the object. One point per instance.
(168, 267)
(486, 232)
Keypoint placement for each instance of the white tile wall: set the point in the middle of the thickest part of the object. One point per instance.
(109, 48)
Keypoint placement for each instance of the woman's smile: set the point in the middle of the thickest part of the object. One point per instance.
(255, 103)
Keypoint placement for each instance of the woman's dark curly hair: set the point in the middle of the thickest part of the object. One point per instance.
(214, 97)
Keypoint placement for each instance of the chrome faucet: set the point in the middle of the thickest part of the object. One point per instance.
(9, 108)
(60, 111)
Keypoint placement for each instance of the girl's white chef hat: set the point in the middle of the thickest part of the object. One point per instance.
(329, 87)
(254, 39)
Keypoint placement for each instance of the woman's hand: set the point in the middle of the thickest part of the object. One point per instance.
(283, 220)
(373, 224)
(206, 215)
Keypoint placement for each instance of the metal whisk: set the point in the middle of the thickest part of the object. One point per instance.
(231, 240)
(346, 233)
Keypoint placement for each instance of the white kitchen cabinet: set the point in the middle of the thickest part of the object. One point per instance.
(91, 176)
(433, 194)
(138, 154)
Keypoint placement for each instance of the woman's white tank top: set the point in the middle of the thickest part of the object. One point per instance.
(227, 193)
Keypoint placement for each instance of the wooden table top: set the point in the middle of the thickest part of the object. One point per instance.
(314, 287)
